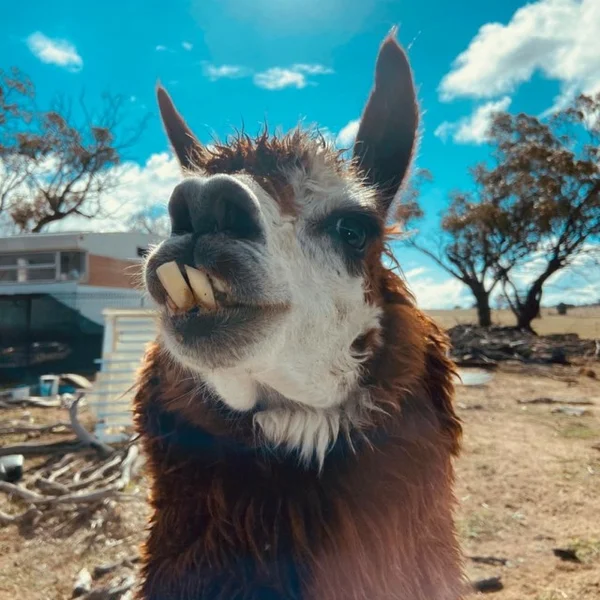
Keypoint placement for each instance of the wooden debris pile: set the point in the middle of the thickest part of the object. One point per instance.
(486, 347)
(79, 475)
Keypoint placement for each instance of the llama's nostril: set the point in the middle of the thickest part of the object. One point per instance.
(219, 204)
(179, 208)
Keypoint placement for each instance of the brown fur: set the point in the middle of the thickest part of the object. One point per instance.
(377, 526)
(267, 159)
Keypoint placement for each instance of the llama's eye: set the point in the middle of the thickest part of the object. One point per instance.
(352, 232)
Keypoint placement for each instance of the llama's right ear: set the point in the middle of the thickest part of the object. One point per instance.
(387, 131)
(184, 142)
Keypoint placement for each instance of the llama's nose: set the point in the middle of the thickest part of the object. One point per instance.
(218, 204)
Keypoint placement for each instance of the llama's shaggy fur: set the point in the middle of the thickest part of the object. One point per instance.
(303, 448)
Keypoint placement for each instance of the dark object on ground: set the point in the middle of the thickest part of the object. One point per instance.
(484, 347)
(562, 401)
(562, 308)
(486, 586)
(489, 560)
(11, 468)
(567, 554)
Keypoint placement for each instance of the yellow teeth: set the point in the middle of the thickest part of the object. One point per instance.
(172, 280)
(218, 285)
(179, 295)
(201, 286)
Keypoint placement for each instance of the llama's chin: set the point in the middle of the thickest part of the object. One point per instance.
(217, 338)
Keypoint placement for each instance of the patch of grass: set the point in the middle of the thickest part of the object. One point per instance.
(578, 431)
(478, 525)
(587, 550)
(553, 595)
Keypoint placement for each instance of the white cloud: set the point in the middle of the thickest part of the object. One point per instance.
(55, 51)
(187, 46)
(347, 134)
(214, 72)
(312, 69)
(473, 129)
(436, 293)
(275, 78)
(161, 48)
(142, 187)
(278, 78)
(558, 38)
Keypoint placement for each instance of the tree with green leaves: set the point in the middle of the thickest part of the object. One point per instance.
(546, 173)
(535, 206)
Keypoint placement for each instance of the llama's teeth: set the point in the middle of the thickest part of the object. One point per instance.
(171, 306)
(219, 285)
(200, 284)
(178, 290)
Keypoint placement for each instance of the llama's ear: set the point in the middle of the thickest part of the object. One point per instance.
(386, 135)
(184, 142)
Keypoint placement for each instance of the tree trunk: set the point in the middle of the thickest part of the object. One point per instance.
(530, 309)
(482, 298)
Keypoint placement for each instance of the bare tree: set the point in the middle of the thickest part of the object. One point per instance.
(476, 235)
(153, 219)
(53, 165)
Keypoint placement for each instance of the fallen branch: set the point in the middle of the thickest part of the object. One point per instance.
(37, 449)
(83, 434)
(33, 498)
(102, 570)
(31, 401)
(489, 560)
(30, 513)
(23, 428)
(544, 400)
(112, 592)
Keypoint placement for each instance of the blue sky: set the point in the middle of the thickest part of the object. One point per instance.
(228, 61)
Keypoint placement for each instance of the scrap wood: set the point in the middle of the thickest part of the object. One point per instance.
(546, 400)
(489, 560)
(486, 346)
(17, 427)
(40, 449)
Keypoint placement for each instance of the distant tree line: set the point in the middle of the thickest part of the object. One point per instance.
(536, 201)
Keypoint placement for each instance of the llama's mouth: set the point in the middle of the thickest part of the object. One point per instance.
(192, 291)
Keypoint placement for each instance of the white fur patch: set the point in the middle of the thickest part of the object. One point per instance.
(308, 358)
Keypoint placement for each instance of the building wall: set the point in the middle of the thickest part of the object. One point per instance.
(113, 272)
(118, 245)
(123, 245)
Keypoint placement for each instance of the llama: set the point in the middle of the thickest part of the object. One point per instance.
(296, 408)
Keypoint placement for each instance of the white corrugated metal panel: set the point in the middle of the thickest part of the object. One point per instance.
(127, 333)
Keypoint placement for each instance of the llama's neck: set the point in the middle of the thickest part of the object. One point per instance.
(231, 518)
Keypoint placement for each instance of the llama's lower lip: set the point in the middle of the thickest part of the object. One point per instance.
(198, 323)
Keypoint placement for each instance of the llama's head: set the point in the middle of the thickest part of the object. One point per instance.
(270, 285)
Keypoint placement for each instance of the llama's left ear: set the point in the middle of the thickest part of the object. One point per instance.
(184, 142)
(386, 135)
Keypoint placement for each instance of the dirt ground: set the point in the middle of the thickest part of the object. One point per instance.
(584, 320)
(528, 482)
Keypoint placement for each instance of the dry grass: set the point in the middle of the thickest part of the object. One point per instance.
(528, 481)
(584, 321)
